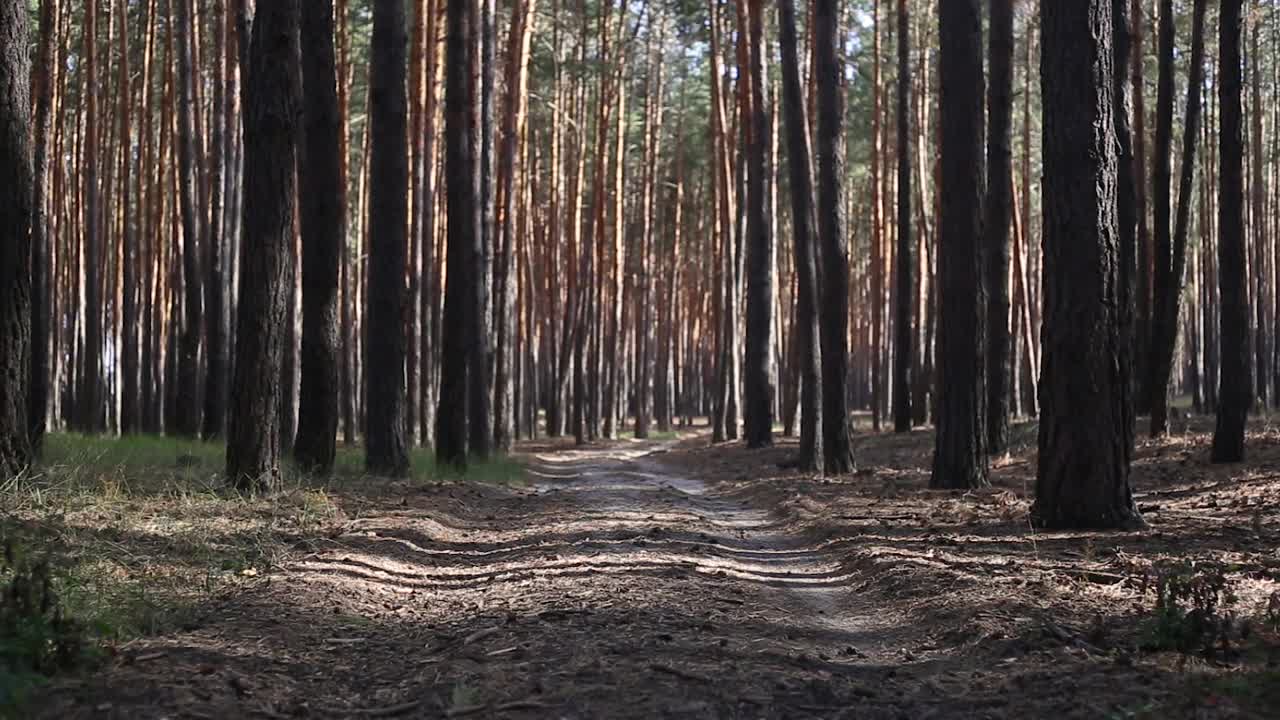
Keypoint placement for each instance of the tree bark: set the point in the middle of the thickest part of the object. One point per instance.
(1082, 477)
(272, 96)
(904, 259)
(836, 439)
(807, 330)
(17, 185)
(1171, 250)
(386, 443)
(324, 220)
(996, 223)
(960, 454)
(188, 398)
(41, 310)
(760, 373)
(463, 231)
(1235, 395)
(1128, 177)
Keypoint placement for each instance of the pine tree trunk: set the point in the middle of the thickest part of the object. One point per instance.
(215, 297)
(760, 373)
(324, 219)
(188, 398)
(1236, 394)
(806, 331)
(1171, 249)
(836, 432)
(1082, 476)
(904, 260)
(41, 310)
(960, 454)
(272, 98)
(17, 216)
(1128, 177)
(386, 442)
(996, 222)
(463, 210)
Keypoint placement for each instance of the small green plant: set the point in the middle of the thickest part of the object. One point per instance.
(1192, 611)
(37, 637)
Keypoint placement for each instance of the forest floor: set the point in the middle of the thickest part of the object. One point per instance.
(667, 579)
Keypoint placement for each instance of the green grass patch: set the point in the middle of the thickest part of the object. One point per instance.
(135, 536)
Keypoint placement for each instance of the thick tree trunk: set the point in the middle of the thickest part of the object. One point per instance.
(386, 442)
(1082, 477)
(17, 185)
(960, 454)
(188, 398)
(480, 395)
(836, 433)
(463, 211)
(996, 223)
(809, 352)
(760, 373)
(272, 95)
(1128, 177)
(324, 219)
(1235, 396)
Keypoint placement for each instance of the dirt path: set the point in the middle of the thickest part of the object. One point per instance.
(617, 585)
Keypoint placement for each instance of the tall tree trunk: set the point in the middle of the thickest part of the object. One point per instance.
(17, 216)
(463, 187)
(215, 292)
(480, 397)
(188, 399)
(1145, 259)
(90, 398)
(1128, 178)
(836, 433)
(760, 373)
(1171, 249)
(809, 352)
(324, 219)
(505, 327)
(960, 455)
(1082, 477)
(997, 221)
(1261, 238)
(904, 259)
(272, 98)
(41, 239)
(1236, 394)
(386, 443)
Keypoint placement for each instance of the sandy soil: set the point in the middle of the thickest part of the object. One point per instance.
(673, 580)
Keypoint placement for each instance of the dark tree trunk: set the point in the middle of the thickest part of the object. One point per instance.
(463, 211)
(836, 433)
(324, 218)
(215, 294)
(1236, 393)
(904, 259)
(38, 389)
(272, 95)
(960, 455)
(1083, 472)
(1171, 250)
(480, 395)
(188, 398)
(809, 353)
(1139, 394)
(386, 443)
(760, 374)
(1128, 177)
(16, 218)
(996, 222)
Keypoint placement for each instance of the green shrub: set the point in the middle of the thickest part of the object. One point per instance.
(37, 638)
(1192, 611)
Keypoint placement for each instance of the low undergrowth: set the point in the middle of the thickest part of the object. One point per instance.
(110, 539)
